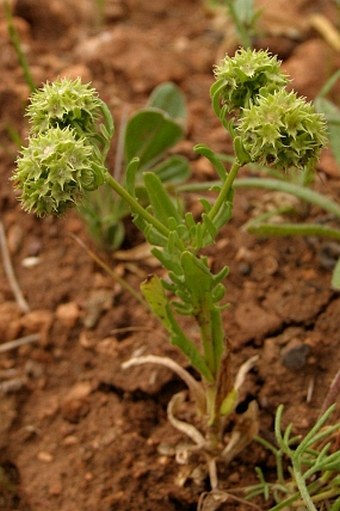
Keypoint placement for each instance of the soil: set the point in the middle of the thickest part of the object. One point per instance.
(77, 432)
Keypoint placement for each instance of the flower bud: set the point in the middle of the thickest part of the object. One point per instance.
(283, 131)
(55, 170)
(240, 80)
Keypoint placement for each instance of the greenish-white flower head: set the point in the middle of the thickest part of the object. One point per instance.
(243, 78)
(65, 103)
(283, 131)
(55, 170)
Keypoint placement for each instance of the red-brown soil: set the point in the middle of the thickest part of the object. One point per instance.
(77, 432)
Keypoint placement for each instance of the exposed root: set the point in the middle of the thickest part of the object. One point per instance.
(194, 386)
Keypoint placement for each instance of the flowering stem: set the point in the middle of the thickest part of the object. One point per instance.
(242, 31)
(136, 207)
(225, 189)
(15, 40)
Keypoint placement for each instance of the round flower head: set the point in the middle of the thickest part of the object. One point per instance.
(55, 170)
(241, 79)
(65, 103)
(283, 131)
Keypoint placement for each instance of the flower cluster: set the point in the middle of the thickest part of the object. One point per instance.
(270, 125)
(282, 130)
(65, 103)
(240, 80)
(55, 170)
(64, 158)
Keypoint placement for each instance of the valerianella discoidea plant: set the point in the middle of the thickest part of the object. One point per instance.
(270, 126)
(70, 133)
(71, 130)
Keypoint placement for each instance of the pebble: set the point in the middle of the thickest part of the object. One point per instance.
(38, 321)
(294, 356)
(45, 457)
(10, 324)
(74, 405)
(70, 440)
(68, 314)
(30, 262)
(55, 489)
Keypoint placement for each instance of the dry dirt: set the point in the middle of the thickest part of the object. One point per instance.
(77, 433)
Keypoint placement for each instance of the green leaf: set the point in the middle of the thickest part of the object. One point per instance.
(162, 205)
(214, 159)
(149, 133)
(153, 291)
(336, 276)
(174, 169)
(198, 279)
(130, 175)
(170, 99)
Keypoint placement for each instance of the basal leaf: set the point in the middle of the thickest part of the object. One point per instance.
(169, 98)
(150, 133)
(174, 169)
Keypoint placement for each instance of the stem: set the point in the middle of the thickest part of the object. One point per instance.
(226, 187)
(301, 484)
(205, 323)
(241, 30)
(15, 40)
(136, 207)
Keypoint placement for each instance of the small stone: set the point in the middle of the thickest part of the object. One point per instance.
(45, 457)
(10, 324)
(86, 341)
(70, 440)
(68, 314)
(234, 477)
(74, 405)
(294, 356)
(55, 489)
(108, 346)
(39, 321)
(30, 262)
